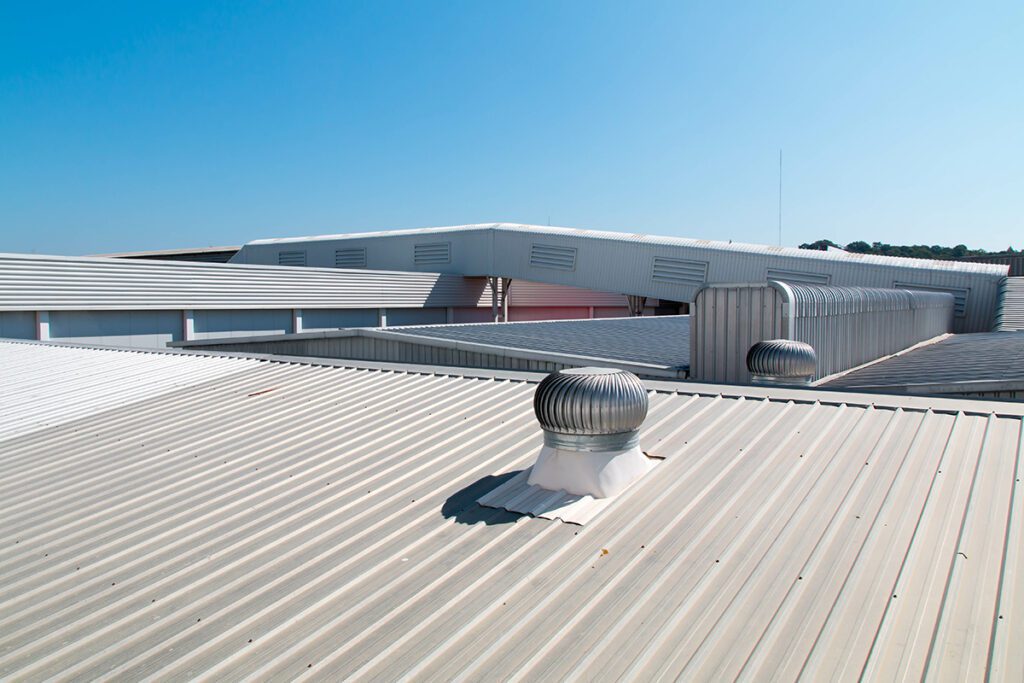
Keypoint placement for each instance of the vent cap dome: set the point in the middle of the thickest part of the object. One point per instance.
(782, 361)
(591, 409)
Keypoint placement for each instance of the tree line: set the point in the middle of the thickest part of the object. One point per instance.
(934, 251)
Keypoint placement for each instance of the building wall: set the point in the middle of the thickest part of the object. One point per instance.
(660, 267)
(18, 324)
(141, 303)
(131, 329)
(327, 319)
(241, 323)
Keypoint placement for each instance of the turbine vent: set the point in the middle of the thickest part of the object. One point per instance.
(782, 361)
(591, 409)
(591, 419)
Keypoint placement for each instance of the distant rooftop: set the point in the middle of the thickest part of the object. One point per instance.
(655, 340)
(957, 364)
(648, 346)
(201, 254)
(271, 519)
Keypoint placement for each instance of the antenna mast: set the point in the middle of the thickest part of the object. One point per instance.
(780, 197)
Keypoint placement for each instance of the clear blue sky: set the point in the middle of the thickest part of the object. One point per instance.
(148, 125)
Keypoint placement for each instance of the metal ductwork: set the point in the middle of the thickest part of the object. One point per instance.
(591, 419)
(782, 361)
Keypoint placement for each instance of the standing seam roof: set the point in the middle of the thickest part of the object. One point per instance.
(304, 521)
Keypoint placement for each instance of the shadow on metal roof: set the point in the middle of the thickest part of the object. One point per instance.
(462, 506)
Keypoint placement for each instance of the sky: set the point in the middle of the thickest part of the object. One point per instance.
(159, 125)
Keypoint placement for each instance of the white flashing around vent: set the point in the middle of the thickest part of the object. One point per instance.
(602, 474)
(519, 496)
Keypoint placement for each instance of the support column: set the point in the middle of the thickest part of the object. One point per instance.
(296, 320)
(188, 325)
(636, 304)
(591, 312)
(382, 317)
(506, 286)
(43, 325)
(493, 282)
(449, 315)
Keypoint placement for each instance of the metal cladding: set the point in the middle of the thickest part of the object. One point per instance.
(846, 326)
(782, 361)
(591, 409)
(1010, 309)
(78, 283)
(669, 268)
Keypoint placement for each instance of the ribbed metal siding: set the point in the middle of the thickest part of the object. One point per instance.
(75, 283)
(1010, 309)
(623, 263)
(847, 326)
(724, 323)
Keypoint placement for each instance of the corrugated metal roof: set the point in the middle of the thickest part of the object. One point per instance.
(961, 363)
(662, 340)
(29, 282)
(650, 346)
(291, 520)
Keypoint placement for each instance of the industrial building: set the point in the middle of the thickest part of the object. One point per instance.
(148, 303)
(343, 468)
(173, 515)
(668, 268)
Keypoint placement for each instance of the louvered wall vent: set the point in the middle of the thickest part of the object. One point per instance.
(799, 276)
(291, 258)
(434, 253)
(555, 258)
(959, 295)
(350, 258)
(679, 271)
